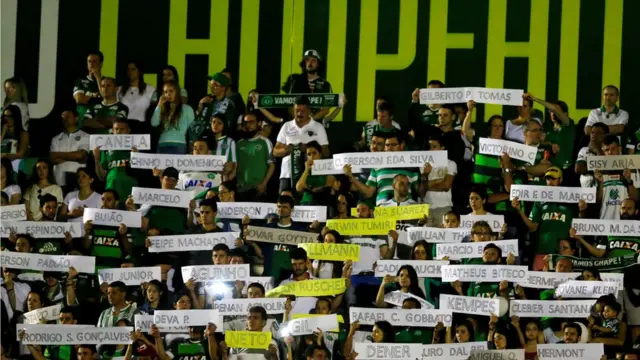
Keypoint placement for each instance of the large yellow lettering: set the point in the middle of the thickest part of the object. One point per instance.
(337, 46)
(292, 37)
(249, 46)
(568, 81)
(368, 51)
(498, 49)
(215, 46)
(109, 35)
(612, 47)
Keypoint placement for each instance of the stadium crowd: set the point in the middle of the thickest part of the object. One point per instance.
(397, 291)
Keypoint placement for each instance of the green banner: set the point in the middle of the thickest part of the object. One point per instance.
(298, 158)
(288, 100)
(603, 265)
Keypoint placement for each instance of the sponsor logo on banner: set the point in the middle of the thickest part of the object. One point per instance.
(574, 309)
(556, 194)
(120, 142)
(424, 268)
(391, 159)
(179, 162)
(515, 150)
(192, 242)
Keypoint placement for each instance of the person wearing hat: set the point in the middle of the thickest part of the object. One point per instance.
(215, 102)
(309, 81)
(552, 220)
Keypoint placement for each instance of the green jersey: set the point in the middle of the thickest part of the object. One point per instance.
(554, 221)
(254, 158)
(564, 137)
(483, 289)
(189, 350)
(172, 220)
(622, 245)
(116, 110)
(60, 352)
(382, 180)
(49, 246)
(430, 116)
(106, 246)
(313, 181)
(374, 126)
(115, 163)
(89, 87)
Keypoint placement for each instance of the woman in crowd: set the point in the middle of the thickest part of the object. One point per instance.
(174, 118)
(406, 281)
(312, 187)
(41, 182)
(136, 94)
(8, 182)
(169, 74)
(16, 94)
(464, 332)
(76, 201)
(531, 337)
(329, 269)
(477, 202)
(14, 138)
(155, 294)
(499, 336)
(382, 332)
(224, 145)
(431, 286)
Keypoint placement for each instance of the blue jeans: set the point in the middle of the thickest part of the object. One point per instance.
(179, 149)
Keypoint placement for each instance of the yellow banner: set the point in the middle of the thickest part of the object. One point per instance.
(398, 213)
(307, 288)
(248, 339)
(302, 316)
(332, 252)
(362, 226)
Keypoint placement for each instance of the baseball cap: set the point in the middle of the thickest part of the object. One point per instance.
(171, 172)
(553, 172)
(219, 77)
(314, 53)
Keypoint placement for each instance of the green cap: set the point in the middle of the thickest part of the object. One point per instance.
(219, 77)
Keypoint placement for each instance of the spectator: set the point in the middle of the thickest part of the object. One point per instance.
(383, 123)
(256, 164)
(15, 91)
(309, 81)
(199, 180)
(101, 116)
(234, 96)
(609, 113)
(69, 149)
(561, 133)
(113, 166)
(42, 182)
(86, 90)
(405, 281)
(613, 186)
(14, 139)
(514, 129)
(224, 145)
(439, 184)
(8, 183)
(596, 138)
(76, 201)
(256, 321)
(420, 115)
(175, 117)
(169, 73)
(215, 103)
(136, 95)
(16, 293)
(116, 294)
(313, 187)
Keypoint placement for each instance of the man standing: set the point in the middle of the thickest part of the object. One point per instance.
(294, 135)
(255, 160)
(113, 165)
(609, 113)
(86, 90)
(216, 102)
(116, 294)
(382, 123)
(598, 132)
(256, 321)
(309, 81)
(69, 149)
(613, 186)
(101, 115)
(421, 115)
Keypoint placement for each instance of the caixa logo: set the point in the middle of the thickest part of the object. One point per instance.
(48, 52)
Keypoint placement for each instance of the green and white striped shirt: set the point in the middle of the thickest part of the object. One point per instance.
(382, 180)
(226, 147)
(109, 319)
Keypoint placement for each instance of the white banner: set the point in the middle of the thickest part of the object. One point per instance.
(574, 309)
(613, 162)
(160, 197)
(424, 268)
(325, 167)
(470, 304)
(165, 318)
(387, 351)
(546, 279)
(144, 323)
(570, 351)
(16, 212)
(242, 306)
(578, 289)
(436, 235)
(265, 281)
(74, 335)
(483, 273)
(511, 97)
(400, 317)
(132, 276)
(41, 229)
(57, 263)
(49, 313)
(106, 217)
(391, 159)
(556, 194)
(474, 250)
(306, 326)
(495, 221)
(203, 273)
(179, 162)
(515, 150)
(259, 211)
(497, 354)
(606, 227)
(279, 236)
(192, 242)
(456, 351)
(120, 142)
(398, 297)
(613, 277)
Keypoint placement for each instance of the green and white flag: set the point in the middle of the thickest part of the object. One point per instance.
(288, 100)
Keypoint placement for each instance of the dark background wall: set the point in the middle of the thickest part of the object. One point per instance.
(565, 49)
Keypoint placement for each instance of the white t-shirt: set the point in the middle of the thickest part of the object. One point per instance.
(439, 199)
(597, 115)
(65, 142)
(587, 179)
(369, 252)
(326, 269)
(136, 102)
(613, 193)
(516, 132)
(12, 190)
(291, 134)
(31, 196)
(73, 202)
